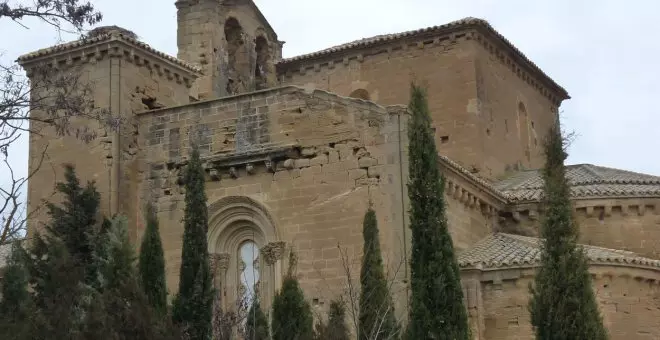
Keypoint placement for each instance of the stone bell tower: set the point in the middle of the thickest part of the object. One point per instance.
(233, 44)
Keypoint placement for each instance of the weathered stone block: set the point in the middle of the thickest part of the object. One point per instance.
(354, 174)
(365, 162)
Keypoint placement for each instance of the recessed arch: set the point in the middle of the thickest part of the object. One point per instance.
(263, 57)
(237, 56)
(523, 130)
(230, 215)
(360, 94)
(235, 221)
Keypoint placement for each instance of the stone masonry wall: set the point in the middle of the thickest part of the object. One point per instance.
(344, 153)
(446, 67)
(627, 224)
(123, 80)
(473, 95)
(631, 224)
(142, 88)
(49, 151)
(629, 301)
(514, 116)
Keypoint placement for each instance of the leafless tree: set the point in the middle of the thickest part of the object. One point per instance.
(56, 96)
(350, 294)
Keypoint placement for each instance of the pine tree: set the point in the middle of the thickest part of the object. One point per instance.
(335, 328)
(152, 264)
(256, 325)
(86, 290)
(437, 310)
(15, 299)
(64, 268)
(75, 223)
(377, 320)
(193, 305)
(292, 315)
(563, 304)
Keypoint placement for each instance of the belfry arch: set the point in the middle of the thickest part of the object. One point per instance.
(242, 230)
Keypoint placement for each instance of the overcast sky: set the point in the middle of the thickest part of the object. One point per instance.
(605, 53)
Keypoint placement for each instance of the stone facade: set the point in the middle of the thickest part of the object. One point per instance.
(295, 150)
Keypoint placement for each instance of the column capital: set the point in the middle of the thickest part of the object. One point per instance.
(218, 261)
(273, 251)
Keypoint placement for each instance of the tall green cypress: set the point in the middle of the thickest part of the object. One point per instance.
(437, 310)
(152, 264)
(292, 315)
(377, 320)
(563, 304)
(256, 324)
(193, 305)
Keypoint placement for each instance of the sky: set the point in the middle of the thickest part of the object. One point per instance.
(605, 53)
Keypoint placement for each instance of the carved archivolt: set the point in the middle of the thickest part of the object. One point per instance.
(233, 221)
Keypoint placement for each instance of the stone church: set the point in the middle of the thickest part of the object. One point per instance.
(295, 149)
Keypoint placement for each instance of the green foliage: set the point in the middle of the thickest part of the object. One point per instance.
(292, 315)
(335, 328)
(15, 307)
(256, 325)
(88, 290)
(122, 308)
(152, 264)
(193, 305)
(75, 223)
(377, 320)
(436, 307)
(563, 304)
(64, 270)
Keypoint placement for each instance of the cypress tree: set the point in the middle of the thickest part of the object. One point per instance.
(336, 328)
(292, 315)
(121, 309)
(152, 264)
(436, 307)
(377, 319)
(256, 325)
(563, 304)
(193, 305)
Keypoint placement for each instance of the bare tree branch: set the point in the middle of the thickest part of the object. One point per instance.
(50, 99)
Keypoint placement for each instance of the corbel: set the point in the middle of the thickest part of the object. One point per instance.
(641, 209)
(215, 175)
(232, 172)
(590, 211)
(249, 168)
(270, 165)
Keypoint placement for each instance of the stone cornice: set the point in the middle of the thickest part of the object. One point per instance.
(597, 269)
(111, 45)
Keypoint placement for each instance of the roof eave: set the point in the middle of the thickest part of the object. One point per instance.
(29, 58)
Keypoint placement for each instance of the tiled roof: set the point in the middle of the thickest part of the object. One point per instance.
(111, 35)
(586, 180)
(502, 250)
(458, 24)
